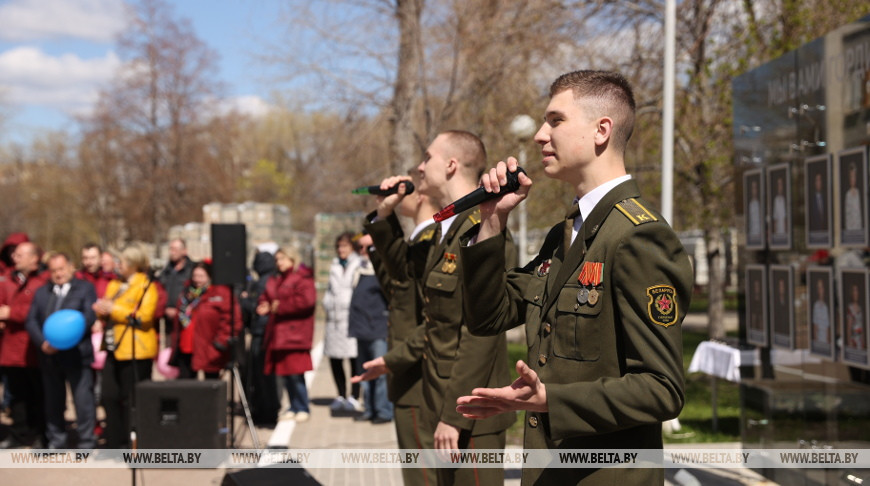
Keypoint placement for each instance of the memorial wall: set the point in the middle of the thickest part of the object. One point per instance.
(801, 136)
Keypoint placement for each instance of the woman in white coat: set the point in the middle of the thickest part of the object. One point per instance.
(336, 302)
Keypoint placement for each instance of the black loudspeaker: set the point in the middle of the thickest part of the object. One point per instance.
(182, 414)
(228, 253)
(270, 476)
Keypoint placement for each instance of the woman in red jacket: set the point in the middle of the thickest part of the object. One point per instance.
(289, 300)
(202, 327)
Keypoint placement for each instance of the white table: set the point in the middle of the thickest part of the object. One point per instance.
(720, 360)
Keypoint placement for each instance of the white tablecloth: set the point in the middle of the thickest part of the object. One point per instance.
(720, 360)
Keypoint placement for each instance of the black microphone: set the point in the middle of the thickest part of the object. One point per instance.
(479, 195)
(377, 191)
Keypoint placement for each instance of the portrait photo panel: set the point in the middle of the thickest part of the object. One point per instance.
(779, 207)
(852, 164)
(853, 295)
(753, 209)
(756, 305)
(818, 210)
(820, 296)
(781, 298)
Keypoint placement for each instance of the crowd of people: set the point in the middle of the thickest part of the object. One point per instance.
(421, 318)
(122, 303)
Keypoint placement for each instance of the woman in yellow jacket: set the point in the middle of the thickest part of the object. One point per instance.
(131, 338)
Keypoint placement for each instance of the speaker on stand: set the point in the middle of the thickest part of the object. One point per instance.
(228, 253)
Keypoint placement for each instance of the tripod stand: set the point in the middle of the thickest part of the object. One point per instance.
(236, 379)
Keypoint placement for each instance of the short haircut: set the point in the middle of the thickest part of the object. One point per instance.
(183, 243)
(59, 254)
(136, 258)
(31, 248)
(91, 245)
(605, 93)
(469, 149)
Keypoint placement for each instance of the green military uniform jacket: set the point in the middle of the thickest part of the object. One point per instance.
(454, 361)
(612, 369)
(405, 305)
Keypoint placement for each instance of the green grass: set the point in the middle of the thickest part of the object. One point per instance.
(700, 302)
(696, 419)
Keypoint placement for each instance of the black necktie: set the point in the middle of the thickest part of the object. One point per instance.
(574, 212)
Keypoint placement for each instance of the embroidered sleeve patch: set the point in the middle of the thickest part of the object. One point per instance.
(635, 212)
(662, 307)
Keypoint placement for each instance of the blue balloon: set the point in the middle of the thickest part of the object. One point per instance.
(64, 328)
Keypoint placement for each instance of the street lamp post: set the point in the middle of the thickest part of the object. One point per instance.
(523, 127)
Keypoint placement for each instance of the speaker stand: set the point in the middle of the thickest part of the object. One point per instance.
(237, 379)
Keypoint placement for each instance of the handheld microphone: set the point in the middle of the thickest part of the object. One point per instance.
(478, 196)
(377, 191)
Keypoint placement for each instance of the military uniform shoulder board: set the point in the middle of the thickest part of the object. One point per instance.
(635, 212)
(474, 217)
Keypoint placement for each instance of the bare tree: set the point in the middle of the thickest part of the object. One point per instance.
(431, 66)
(159, 106)
(404, 144)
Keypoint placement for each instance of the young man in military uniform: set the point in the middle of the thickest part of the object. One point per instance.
(603, 301)
(404, 297)
(454, 362)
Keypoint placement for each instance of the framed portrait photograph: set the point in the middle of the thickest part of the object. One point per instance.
(819, 211)
(756, 305)
(753, 209)
(779, 207)
(853, 318)
(820, 296)
(781, 297)
(853, 197)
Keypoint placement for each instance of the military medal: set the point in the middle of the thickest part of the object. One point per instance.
(583, 296)
(590, 276)
(449, 265)
(544, 269)
(593, 297)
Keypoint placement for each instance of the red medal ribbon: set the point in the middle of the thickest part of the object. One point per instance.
(591, 274)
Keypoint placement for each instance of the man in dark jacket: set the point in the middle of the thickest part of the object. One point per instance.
(261, 389)
(69, 365)
(175, 275)
(367, 322)
(17, 354)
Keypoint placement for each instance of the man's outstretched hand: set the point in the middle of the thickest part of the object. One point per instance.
(525, 393)
(373, 369)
